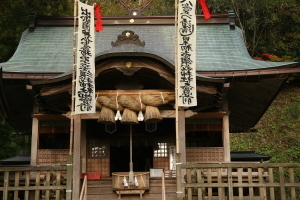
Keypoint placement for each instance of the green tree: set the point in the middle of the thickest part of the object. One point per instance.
(14, 19)
(11, 144)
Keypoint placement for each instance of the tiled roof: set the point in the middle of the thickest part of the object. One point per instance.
(49, 49)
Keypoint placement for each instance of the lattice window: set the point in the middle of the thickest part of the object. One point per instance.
(97, 148)
(162, 150)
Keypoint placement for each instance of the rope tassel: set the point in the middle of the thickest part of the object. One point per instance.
(125, 184)
(136, 183)
(140, 115)
(118, 114)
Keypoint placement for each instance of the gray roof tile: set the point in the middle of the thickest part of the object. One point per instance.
(49, 49)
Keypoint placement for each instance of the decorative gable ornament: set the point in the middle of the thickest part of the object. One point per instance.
(128, 37)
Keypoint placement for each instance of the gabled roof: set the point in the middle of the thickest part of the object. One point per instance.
(48, 49)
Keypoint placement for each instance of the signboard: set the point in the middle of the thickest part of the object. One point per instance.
(172, 154)
(156, 172)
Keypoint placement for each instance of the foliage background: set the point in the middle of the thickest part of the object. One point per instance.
(272, 32)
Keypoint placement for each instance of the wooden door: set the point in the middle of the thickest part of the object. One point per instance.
(98, 156)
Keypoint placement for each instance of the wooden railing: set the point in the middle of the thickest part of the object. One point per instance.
(36, 182)
(83, 192)
(264, 181)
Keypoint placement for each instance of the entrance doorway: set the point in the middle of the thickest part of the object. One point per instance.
(142, 158)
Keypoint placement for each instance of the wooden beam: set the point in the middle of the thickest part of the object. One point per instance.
(50, 117)
(208, 115)
(181, 130)
(34, 141)
(55, 89)
(83, 146)
(207, 89)
(203, 127)
(133, 92)
(76, 158)
(225, 131)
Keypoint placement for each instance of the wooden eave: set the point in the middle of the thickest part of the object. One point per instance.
(245, 73)
(28, 76)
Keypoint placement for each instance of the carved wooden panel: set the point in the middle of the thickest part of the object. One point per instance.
(204, 154)
(52, 156)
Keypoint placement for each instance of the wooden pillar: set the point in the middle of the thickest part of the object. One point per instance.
(83, 146)
(225, 130)
(181, 135)
(76, 158)
(34, 141)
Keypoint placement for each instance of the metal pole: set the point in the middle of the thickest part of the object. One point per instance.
(131, 179)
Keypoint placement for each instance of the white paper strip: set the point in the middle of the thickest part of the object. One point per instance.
(85, 71)
(187, 93)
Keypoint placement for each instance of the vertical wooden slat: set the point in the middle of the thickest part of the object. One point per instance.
(189, 180)
(271, 180)
(240, 180)
(220, 189)
(37, 183)
(250, 180)
(178, 176)
(5, 185)
(209, 190)
(200, 180)
(57, 192)
(27, 182)
(47, 193)
(69, 178)
(292, 180)
(281, 180)
(229, 178)
(262, 190)
(17, 183)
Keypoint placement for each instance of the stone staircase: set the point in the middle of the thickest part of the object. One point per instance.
(102, 189)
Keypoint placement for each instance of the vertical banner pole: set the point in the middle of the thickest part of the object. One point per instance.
(176, 77)
(73, 77)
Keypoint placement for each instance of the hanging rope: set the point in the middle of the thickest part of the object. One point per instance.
(140, 115)
(118, 114)
(162, 97)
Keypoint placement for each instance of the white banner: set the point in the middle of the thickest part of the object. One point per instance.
(85, 70)
(186, 80)
(172, 154)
